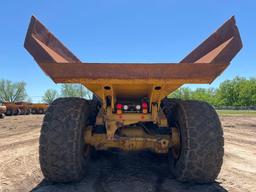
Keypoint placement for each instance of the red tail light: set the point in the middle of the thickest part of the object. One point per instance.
(144, 105)
(119, 106)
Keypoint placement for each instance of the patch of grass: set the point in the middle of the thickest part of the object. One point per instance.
(236, 112)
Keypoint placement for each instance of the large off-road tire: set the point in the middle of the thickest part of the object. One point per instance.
(33, 111)
(200, 154)
(40, 111)
(22, 111)
(2, 115)
(28, 112)
(16, 112)
(62, 152)
(9, 112)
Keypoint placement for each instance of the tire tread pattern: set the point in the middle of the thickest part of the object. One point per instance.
(61, 140)
(202, 141)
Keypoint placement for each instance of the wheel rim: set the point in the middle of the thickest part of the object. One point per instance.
(176, 147)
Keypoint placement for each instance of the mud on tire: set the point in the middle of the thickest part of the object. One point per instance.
(62, 149)
(201, 135)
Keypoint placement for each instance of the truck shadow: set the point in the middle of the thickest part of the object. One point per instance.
(111, 171)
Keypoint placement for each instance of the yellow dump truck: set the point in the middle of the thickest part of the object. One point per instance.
(2, 111)
(38, 108)
(17, 108)
(23, 107)
(11, 108)
(129, 109)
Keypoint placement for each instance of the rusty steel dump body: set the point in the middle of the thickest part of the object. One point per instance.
(130, 80)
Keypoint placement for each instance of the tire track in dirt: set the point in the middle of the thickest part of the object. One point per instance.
(118, 171)
(239, 169)
(19, 144)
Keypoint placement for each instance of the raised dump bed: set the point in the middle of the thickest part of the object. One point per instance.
(129, 110)
(202, 65)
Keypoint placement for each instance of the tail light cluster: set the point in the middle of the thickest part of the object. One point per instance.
(119, 108)
(144, 107)
(138, 108)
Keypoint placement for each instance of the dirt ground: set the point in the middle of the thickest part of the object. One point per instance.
(119, 171)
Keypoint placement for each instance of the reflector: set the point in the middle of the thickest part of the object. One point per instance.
(138, 107)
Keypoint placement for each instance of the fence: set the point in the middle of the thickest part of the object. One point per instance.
(236, 108)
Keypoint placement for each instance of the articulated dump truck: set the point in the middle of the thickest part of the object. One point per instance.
(130, 110)
(38, 108)
(17, 108)
(24, 108)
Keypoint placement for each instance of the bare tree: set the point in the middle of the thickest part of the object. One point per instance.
(50, 95)
(12, 92)
(75, 90)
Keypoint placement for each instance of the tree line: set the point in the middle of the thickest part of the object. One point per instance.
(16, 91)
(67, 90)
(236, 92)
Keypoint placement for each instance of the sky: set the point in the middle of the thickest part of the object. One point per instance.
(122, 31)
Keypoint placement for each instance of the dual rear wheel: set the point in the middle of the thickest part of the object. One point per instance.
(196, 155)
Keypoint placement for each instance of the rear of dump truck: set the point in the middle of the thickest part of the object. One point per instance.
(11, 108)
(38, 108)
(129, 109)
